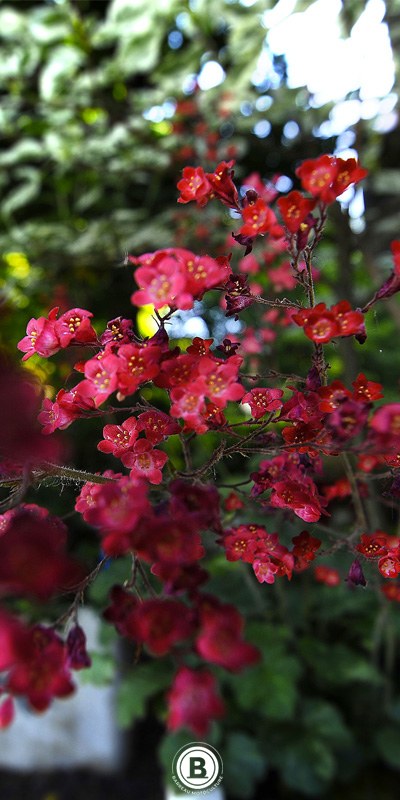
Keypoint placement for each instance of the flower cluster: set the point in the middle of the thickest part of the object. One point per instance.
(164, 507)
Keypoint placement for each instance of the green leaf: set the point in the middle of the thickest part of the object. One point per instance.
(136, 688)
(269, 689)
(307, 766)
(244, 765)
(102, 670)
(23, 194)
(324, 720)
(337, 663)
(387, 743)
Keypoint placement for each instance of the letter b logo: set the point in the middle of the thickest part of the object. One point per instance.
(197, 767)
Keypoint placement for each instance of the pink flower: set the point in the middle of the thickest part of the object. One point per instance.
(220, 639)
(263, 400)
(119, 438)
(193, 701)
(41, 337)
(144, 461)
(74, 326)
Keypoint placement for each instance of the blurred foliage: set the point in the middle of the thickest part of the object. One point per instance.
(99, 114)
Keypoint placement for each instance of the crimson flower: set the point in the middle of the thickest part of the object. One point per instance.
(193, 701)
(294, 209)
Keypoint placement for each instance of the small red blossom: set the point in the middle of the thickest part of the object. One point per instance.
(101, 372)
(366, 390)
(74, 327)
(169, 540)
(159, 624)
(220, 639)
(136, 365)
(386, 419)
(261, 401)
(327, 177)
(118, 331)
(118, 439)
(194, 185)
(176, 277)
(294, 209)
(41, 337)
(28, 534)
(322, 325)
(193, 701)
(306, 504)
(389, 565)
(258, 218)
(391, 591)
(145, 462)
(373, 545)
(78, 657)
(233, 502)
(305, 547)
(115, 508)
(157, 426)
(42, 669)
(222, 184)
(327, 575)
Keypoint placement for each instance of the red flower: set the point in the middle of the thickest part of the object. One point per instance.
(321, 324)
(373, 545)
(118, 331)
(12, 635)
(194, 186)
(101, 373)
(136, 365)
(171, 539)
(115, 508)
(327, 177)
(259, 218)
(193, 701)
(304, 550)
(157, 425)
(176, 277)
(263, 400)
(222, 184)
(348, 172)
(341, 488)
(119, 438)
(294, 209)
(233, 502)
(159, 624)
(74, 326)
(219, 381)
(391, 591)
(327, 575)
(386, 419)
(389, 565)
(42, 670)
(220, 639)
(41, 337)
(366, 390)
(305, 504)
(30, 533)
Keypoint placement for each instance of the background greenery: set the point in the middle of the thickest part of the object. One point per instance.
(98, 117)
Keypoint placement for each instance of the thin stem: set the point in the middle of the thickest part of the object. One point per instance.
(362, 522)
(55, 470)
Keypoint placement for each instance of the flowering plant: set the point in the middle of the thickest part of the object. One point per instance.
(171, 507)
